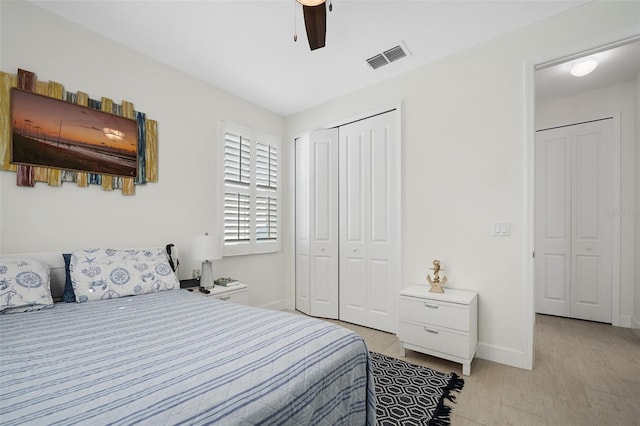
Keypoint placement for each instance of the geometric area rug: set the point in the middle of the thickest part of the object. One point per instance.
(408, 394)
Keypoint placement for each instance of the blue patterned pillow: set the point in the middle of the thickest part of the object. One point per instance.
(68, 296)
(108, 273)
(24, 285)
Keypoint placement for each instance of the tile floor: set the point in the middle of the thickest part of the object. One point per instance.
(586, 374)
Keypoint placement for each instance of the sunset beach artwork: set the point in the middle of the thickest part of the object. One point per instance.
(54, 133)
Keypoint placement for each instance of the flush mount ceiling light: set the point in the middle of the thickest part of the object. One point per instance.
(583, 68)
(310, 2)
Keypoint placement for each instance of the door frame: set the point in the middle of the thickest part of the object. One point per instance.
(528, 292)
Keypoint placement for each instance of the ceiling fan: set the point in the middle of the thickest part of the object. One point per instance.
(315, 21)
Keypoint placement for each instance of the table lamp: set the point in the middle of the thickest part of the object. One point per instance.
(206, 248)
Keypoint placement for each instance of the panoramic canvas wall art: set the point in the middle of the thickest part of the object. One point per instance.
(54, 133)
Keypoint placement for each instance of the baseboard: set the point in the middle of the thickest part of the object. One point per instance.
(502, 355)
(278, 305)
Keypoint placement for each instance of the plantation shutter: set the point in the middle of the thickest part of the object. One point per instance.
(237, 182)
(266, 192)
(237, 159)
(251, 191)
(237, 217)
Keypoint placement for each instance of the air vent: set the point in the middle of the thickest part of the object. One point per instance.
(377, 61)
(388, 56)
(394, 54)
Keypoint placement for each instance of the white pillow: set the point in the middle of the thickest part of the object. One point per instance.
(98, 274)
(24, 285)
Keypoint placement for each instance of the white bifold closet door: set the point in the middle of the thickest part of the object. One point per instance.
(348, 222)
(573, 221)
(317, 223)
(369, 222)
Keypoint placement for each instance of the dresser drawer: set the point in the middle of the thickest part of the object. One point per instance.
(241, 297)
(426, 311)
(436, 338)
(236, 294)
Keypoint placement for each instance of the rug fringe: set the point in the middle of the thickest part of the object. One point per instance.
(442, 414)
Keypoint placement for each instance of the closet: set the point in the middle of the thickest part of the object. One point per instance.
(348, 222)
(574, 220)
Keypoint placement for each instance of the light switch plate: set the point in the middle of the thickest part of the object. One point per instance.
(501, 229)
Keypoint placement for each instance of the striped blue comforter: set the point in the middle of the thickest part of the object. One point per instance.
(178, 358)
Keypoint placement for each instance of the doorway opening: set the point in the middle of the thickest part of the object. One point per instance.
(559, 99)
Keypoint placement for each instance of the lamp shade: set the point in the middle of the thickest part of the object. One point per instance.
(207, 247)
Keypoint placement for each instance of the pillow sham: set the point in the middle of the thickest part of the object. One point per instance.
(25, 285)
(98, 274)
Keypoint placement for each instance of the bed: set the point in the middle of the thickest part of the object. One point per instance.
(175, 357)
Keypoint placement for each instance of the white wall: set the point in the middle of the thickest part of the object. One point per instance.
(605, 102)
(467, 136)
(185, 202)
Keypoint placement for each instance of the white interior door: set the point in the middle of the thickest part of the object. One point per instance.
(574, 228)
(317, 224)
(303, 274)
(369, 222)
(552, 264)
(592, 224)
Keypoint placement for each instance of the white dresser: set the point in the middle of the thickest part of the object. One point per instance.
(439, 324)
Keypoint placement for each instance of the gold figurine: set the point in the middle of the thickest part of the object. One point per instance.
(436, 284)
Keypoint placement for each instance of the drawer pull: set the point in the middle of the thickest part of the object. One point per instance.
(225, 298)
(427, 305)
(431, 330)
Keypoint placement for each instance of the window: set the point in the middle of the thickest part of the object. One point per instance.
(251, 191)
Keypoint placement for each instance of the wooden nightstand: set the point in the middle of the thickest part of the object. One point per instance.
(236, 294)
(440, 324)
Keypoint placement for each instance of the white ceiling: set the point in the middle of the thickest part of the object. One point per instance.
(247, 47)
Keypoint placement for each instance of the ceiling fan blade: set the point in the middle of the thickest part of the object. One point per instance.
(315, 20)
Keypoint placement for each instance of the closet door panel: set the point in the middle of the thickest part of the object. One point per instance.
(369, 227)
(381, 306)
(323, 289)
(555, 270)
(353, 270)
(317, 224)
(552, 261)
(379, 189)
(587, 273)
(592, 228)
(383, 223)
(302, 184)
(353, 290)
(322, 192)
(302, 283)
(352, 189)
